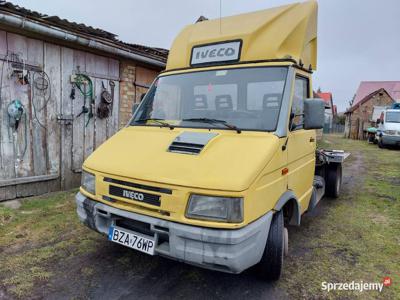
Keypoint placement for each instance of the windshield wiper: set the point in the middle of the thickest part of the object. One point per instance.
(214, 121)
(157, 120)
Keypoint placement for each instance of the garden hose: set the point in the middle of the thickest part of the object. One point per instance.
(80, 82)
(40, 83)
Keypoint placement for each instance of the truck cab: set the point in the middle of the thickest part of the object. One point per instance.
(220, 156)
(388, 133)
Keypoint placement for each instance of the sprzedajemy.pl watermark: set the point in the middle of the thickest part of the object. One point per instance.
(360, 286)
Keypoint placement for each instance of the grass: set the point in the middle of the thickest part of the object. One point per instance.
(356, 237)
(33, 238)
(43, 247)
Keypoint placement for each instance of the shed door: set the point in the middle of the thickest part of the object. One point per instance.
(81, 135)
(29, 152)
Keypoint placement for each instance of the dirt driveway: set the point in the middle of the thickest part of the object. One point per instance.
(46, 253)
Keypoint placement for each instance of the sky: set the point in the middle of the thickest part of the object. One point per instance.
(358, 40)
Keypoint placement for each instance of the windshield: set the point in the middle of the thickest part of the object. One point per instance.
(245, 98)
(393, 117)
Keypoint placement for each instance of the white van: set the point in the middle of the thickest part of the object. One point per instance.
(389, 127)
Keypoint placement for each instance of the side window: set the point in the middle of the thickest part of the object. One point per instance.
(300, 93)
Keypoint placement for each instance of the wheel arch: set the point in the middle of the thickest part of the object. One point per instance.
(289, 199)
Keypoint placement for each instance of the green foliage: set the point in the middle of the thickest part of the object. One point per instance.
(340, 119)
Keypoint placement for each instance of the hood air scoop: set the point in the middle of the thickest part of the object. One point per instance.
(191, 142)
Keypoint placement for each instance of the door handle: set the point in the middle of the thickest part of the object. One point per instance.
(312, 140)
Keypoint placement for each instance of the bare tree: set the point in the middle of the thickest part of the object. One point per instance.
(351, 102)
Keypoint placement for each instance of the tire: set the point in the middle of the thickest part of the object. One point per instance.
(270, 266)
(285, 241)
(371, 139)
(333, 180)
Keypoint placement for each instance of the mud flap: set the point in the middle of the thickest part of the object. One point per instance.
(317, 193)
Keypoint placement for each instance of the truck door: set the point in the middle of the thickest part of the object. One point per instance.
(301, 147)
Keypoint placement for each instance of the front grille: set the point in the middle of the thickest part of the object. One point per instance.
(185, 148)
(134, 195)
(139, 186)
(109, 199)
(142, 208)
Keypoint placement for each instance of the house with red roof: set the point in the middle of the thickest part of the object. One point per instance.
(370, 94)
(367, 87)
(326, 96)
(330, 109)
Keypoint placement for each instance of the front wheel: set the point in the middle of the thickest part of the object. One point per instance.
(270, 266)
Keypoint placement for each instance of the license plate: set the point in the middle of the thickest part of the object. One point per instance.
(132, 240)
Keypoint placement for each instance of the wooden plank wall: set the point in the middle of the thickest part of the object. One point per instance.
(55, 150)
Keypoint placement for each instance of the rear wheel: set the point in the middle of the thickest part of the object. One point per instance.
(371, 138)
(270, 266)
(380, 144)
(333, 180)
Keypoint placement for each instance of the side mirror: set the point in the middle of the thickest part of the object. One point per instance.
(378, 121)
(142, 96)
(134, 107)
(314, 114)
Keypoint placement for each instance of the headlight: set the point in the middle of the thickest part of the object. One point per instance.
(224, 209)
(88, 182)
(389, 132)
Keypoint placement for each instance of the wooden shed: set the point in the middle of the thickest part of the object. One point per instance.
(54, 76)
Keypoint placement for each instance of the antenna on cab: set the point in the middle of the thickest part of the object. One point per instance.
(220, 16)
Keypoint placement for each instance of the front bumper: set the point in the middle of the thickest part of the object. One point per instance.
(230, 251)
(393, 140)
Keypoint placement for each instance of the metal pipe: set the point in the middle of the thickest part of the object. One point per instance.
(54, 32)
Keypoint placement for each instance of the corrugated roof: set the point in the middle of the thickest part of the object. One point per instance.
(79, 28)
(367, 87)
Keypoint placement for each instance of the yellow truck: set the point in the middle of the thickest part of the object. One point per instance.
(220, 156)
